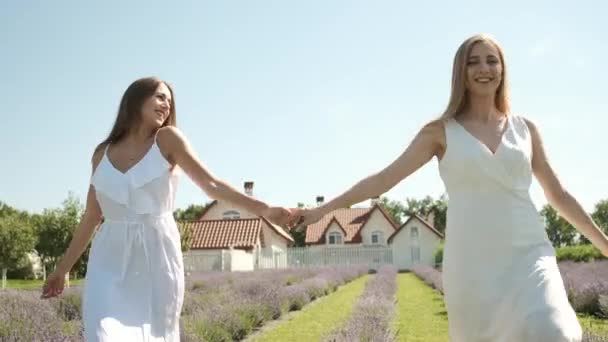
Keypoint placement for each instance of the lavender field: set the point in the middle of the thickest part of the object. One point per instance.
(217, 307)
(232, 306)
(586, 284)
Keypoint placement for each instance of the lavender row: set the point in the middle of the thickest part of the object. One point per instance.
(209, 280)
(590, 337)
(587, 286)
(370, 320)
(25, 317)
(430, 276)
(234, 309)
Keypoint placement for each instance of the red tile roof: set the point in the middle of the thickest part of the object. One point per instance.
(219, 234)
(350, 220)
(222, 234)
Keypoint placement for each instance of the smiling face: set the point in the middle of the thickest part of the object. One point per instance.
(483, 69)
(157, 108)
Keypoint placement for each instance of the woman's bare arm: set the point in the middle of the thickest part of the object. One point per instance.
(559, 197)
(180, 151)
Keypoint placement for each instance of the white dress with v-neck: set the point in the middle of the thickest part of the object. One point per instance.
(500, 274)
(134, 285)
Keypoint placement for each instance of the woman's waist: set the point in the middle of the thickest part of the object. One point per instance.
(134, 219)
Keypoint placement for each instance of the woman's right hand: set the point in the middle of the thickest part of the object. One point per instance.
(54, 285)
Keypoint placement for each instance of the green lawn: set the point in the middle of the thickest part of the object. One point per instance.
(319, 318)
(32, 284)
(420, 314)
(594, 324)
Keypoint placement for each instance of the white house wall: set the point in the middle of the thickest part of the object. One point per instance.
(241, 260)
(272, 239)
(402, 246)
(376, 222)
(218, 209)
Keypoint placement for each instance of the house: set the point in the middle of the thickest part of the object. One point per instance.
(415, 241)
(228, 238)
(352, 226)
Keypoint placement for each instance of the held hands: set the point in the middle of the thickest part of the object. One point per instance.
(306, 217)
(293, 218)
(279, 216)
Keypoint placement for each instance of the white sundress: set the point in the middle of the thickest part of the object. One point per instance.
(134, 285)
(500, 274)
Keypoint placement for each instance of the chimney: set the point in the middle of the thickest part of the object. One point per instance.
(249, 188)
(320, 200)
(375, 200)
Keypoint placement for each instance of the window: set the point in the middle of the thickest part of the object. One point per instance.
(231, 215)
(335, 238)
(415, 247)
(414, 233)
(377, 237)
(415, 254)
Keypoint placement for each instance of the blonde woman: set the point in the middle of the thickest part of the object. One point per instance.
(134, 287)
(500, 274)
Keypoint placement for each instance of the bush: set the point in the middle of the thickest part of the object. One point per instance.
(580, 253)
(592, 337)
(22, 270)
(585, 283)
(439, 255)
(24, 317)
(603, 301)
(68, 305)
(430, 276)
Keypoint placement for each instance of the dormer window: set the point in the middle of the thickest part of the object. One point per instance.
(377, 237)
(231, 215)
(334, 238)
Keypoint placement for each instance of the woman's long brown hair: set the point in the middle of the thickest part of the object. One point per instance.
(129, 111)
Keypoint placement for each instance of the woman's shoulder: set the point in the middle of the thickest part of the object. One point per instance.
(435, 129)
(524, 121)
(98, 153)
(170, 140)
(169, 133)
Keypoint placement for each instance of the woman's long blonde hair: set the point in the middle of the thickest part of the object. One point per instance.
(459, 95)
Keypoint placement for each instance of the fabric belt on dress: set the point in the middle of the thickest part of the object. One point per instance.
(135, 225)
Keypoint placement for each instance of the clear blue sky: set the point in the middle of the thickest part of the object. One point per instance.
(303, 97)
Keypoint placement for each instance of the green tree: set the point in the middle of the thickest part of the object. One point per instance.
(560, 232)
(434, 210)
(7, 210)
(185, 235)
(394, 208)
(17, 239)
(299, 237)
(600, 216)
(55, 228)
(192, 213)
